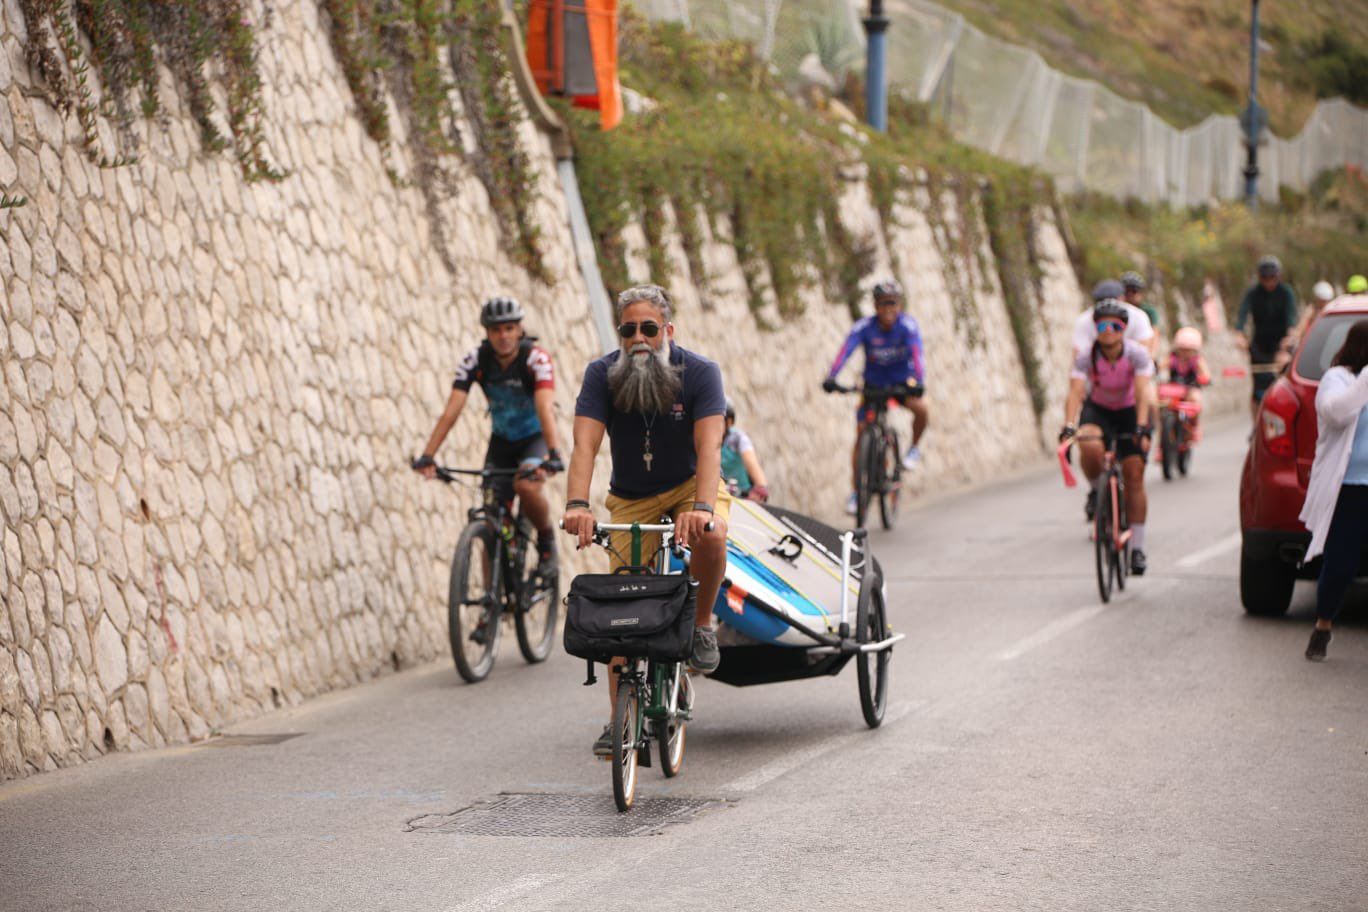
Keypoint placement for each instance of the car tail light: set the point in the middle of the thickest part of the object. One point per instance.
(1278, 420)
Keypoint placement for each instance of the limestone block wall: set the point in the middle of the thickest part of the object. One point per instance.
(209, 390)
(208, 393)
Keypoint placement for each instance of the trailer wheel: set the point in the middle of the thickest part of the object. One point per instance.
(871, 626)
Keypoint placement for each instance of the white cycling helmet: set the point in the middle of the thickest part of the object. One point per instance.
(1188, 337)
(1324, 291)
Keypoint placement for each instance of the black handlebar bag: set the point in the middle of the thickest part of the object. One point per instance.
(629, 615)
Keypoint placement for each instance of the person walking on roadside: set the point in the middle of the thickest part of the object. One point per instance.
(1272, 305)
(1336, 508)
(663, 409)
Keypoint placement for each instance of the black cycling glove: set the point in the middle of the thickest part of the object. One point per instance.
(830, 385)
(422, 462)
(553, 462)
(1066, 432)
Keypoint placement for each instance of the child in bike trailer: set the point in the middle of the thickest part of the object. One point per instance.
(1109, 399)
(740, 463)
(1187, 366)
(892, 345)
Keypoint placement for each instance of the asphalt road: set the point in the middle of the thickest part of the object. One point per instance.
(1041, 752)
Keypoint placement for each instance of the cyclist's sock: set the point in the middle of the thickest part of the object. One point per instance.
(1137, 540)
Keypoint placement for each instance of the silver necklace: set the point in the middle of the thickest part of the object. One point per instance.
(646, 454)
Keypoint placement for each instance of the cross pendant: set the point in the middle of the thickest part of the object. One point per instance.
(646, 457)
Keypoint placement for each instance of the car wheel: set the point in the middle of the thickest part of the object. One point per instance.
(1265, 584)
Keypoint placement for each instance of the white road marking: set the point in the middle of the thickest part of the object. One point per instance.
(505, 894)
(1050, 631)
(1229, 543)
(787, 764)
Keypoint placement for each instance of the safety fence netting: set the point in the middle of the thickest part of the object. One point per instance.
(1005, 99)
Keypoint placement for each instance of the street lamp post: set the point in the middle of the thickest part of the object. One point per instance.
(876, 76)
(1253, 117)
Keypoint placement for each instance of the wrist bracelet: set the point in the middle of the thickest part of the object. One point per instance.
(572, 504)
(702, 507)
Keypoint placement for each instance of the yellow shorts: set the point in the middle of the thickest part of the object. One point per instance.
(648, 510)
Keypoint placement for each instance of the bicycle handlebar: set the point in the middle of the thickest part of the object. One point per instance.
(447, 474)
(885, 392)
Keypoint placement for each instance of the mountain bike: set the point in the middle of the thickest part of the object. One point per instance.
(654, 700)
(493, 573)
(878, 460)
(1111, 529)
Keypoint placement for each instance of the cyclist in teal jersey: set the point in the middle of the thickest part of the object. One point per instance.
(519, 383)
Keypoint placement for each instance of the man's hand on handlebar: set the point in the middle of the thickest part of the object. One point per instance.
(579, 522)
(425, 466)
(553, 463)
(694, 524)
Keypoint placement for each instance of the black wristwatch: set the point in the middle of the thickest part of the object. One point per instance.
(702, 507)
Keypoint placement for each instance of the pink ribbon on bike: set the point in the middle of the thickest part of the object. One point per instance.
(1069, 480)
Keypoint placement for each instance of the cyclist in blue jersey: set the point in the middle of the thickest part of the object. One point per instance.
(892, 346)
(519, 383)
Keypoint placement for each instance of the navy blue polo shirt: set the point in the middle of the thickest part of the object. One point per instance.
(673, 459)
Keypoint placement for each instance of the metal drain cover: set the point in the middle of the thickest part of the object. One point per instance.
(539, 814)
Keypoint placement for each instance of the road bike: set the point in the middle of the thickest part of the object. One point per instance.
(493, 574)
(1177, 426)
(1111, 530)
(878, 460)
(654, 700)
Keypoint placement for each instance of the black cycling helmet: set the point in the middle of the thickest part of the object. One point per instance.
(1132, 281)
(500, 310)
(731, 409)
(888, 288)
(1111, 309)
(1270, 266)
(1107, 288)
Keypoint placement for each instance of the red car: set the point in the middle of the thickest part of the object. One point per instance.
(1278, 466)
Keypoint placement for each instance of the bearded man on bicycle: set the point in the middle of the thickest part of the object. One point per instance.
(519, 383)
(1109, 404)
(892, 345)
(663, 409)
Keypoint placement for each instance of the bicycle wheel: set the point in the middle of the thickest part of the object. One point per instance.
(871, 670)
(866, 473)
(1102, 547)
(890, 486)
(538, 604)
(1184, 450)
(670, 731)
(472, 605)
(1168, 441)
(1120, 555)
(625, 709)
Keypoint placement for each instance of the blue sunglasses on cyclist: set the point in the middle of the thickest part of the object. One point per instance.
(1110, 326)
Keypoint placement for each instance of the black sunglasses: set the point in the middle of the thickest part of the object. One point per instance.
(649, 329)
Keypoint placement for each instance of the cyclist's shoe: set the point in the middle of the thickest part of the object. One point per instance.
(1315, 650)
(1138, 563)
(546, 559)
(705, 656)
(912, 458)
(603, 745)
(1090, 505)
(852, 504)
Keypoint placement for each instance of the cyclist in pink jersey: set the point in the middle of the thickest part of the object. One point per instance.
(1109, 396)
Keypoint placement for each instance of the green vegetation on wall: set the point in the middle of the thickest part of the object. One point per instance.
(128, 40)
(396, 48)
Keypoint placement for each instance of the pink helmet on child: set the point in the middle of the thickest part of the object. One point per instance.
(1188, 337)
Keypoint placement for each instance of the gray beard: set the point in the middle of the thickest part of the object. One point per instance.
(645, 381)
